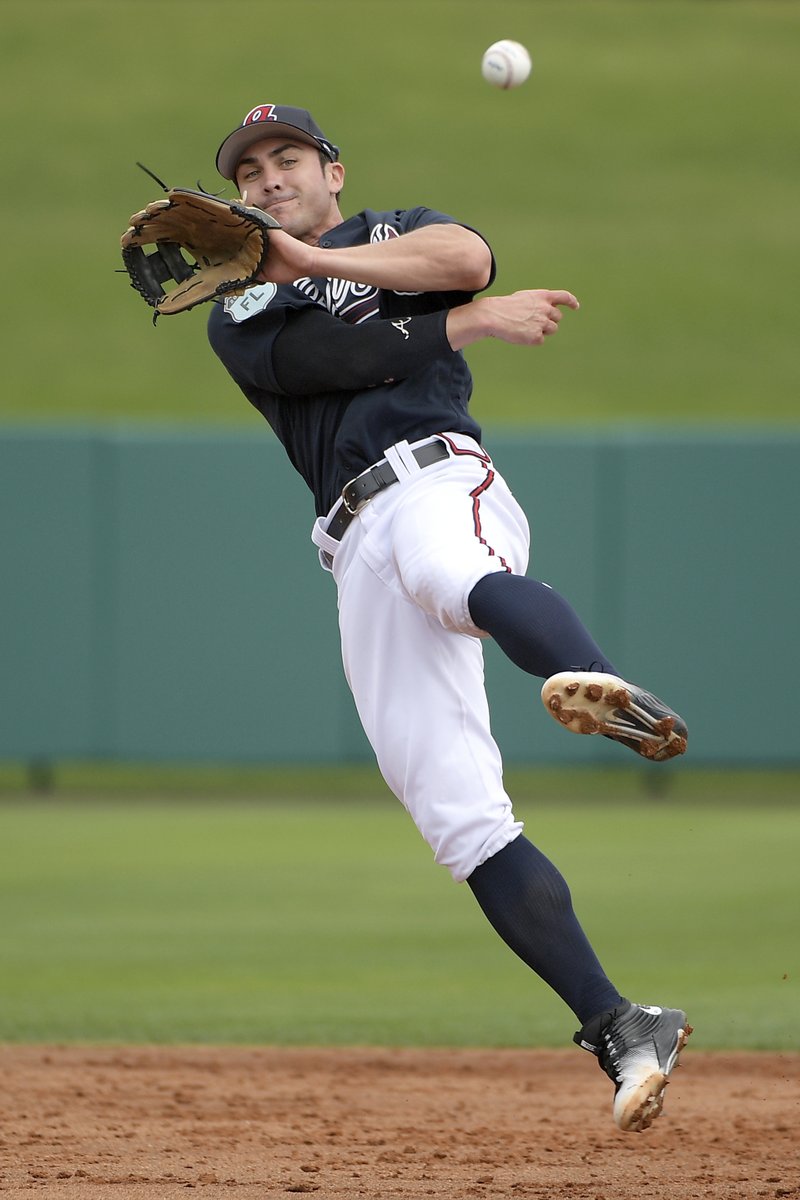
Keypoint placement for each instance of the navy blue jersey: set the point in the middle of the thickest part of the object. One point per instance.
(330, 437)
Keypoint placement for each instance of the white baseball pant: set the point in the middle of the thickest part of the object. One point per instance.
(412, 656)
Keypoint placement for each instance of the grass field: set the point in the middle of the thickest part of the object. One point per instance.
(219, 917)
(649, 165)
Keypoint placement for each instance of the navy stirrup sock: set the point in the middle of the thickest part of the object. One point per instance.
(527, 901)
(534, 626)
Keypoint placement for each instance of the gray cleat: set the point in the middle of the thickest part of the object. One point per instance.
(637, 1046)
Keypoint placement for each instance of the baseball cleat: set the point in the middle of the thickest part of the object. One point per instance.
(590, 702)
(637, 1046)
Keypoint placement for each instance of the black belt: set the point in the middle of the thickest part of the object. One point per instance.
(374, 480)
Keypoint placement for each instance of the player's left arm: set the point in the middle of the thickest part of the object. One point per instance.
(431, 258)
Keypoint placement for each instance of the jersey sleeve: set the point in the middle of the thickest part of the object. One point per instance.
(317, 352)
(245, 341)
(418, 218)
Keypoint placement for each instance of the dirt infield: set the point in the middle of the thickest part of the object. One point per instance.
(153, 1122)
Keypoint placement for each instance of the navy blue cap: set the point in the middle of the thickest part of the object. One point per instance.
(266, 121)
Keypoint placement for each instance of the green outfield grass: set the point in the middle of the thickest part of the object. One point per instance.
(297, 919)
(649, 165)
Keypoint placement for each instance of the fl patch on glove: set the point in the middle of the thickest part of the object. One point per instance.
(205, 246)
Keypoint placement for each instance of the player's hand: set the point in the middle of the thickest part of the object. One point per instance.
(523, 318)
(526, 318)
(288, 259)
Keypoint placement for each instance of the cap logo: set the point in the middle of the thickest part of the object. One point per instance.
(264, 112)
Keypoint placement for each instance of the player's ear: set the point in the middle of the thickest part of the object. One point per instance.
(335, 173)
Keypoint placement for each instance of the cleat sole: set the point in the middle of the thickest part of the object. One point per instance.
(591, 703)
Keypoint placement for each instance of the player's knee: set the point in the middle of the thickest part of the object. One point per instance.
(442, 590)
(463, 846)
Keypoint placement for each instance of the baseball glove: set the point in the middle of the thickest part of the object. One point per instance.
(227, 242)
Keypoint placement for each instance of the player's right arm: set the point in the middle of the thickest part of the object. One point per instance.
(311, 351)
(355, 356)
(523, 318)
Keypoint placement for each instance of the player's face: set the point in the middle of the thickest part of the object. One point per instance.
(287, 180)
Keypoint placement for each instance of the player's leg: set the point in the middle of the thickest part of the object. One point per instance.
(420, 694)
(543, 635)
(421, 701)
(637, 1046)
(535, 626)
(419, 689)
(527, 901)
(460, 544)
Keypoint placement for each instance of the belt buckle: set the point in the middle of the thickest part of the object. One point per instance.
(355, 509)
(348, 507)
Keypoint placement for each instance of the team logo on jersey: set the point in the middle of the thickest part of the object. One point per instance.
(352, 302)
(253, 301)
(385, 233)
(264, 112)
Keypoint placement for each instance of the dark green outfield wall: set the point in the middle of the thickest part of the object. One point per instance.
(162, 601)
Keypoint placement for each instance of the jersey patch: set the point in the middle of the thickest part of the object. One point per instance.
(253, 301)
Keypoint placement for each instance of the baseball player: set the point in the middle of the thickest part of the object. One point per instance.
(350, 346)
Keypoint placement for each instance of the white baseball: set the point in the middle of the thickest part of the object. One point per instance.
(506, 64)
